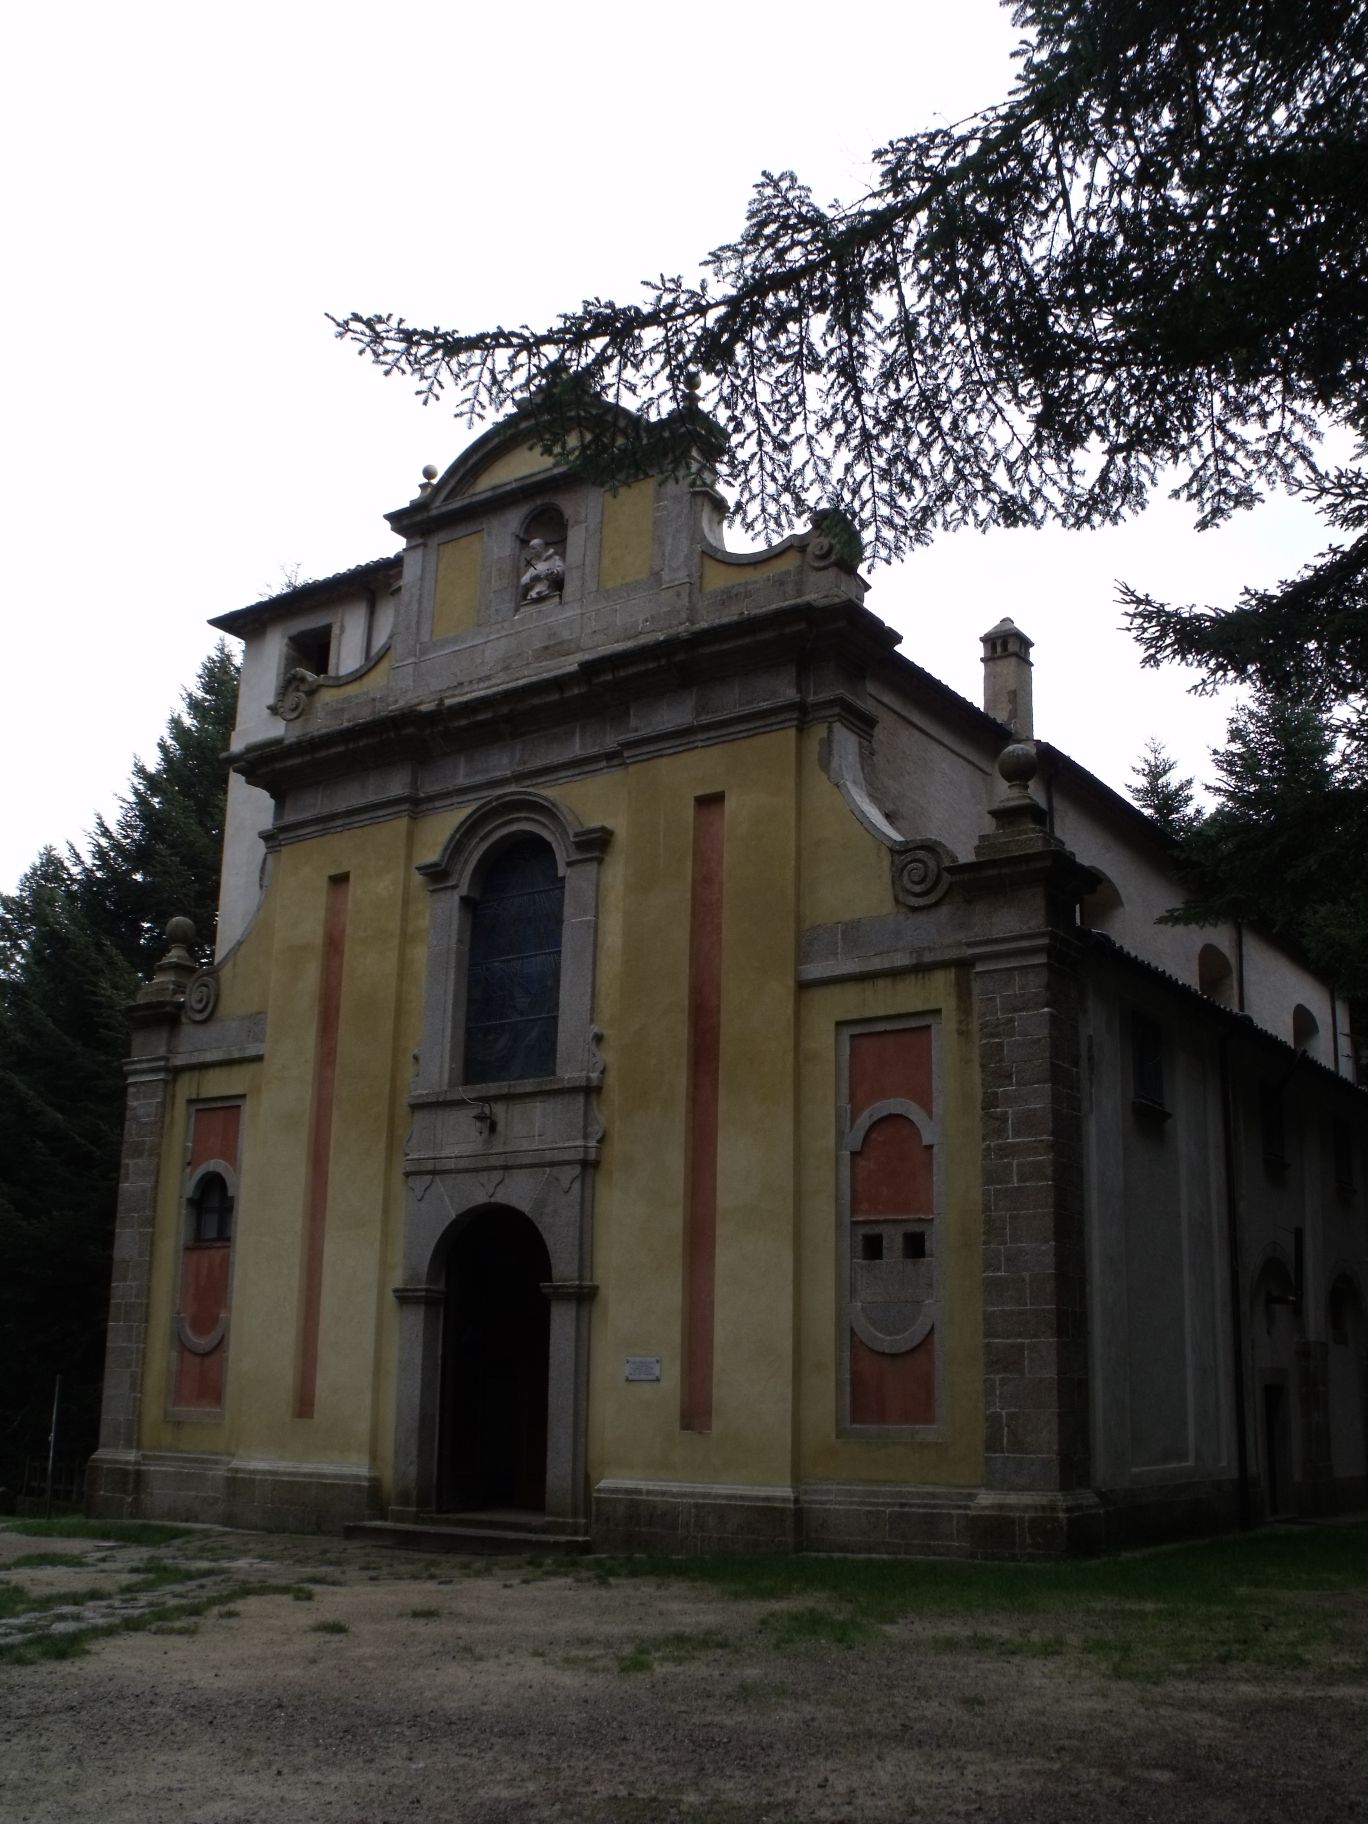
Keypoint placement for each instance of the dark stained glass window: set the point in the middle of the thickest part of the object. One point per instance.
(513, 990)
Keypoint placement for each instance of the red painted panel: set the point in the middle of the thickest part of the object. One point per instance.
(215, 1136)
(320, 1140)
(203, 1300)
(891, 1174)
(893, 1389)
(705, 1047)
(884, 1064)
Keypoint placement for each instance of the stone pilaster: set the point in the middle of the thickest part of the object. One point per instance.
(1022, 889)
(112, 1479)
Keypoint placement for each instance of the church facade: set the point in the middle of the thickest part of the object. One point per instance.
(677, 1076)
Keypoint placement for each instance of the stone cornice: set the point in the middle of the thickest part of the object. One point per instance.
(826, 645)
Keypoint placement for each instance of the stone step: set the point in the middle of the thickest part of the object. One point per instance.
(479, 1534)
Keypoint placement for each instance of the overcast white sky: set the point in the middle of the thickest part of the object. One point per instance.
(191, 188)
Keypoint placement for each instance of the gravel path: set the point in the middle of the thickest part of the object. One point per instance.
(395, 1687)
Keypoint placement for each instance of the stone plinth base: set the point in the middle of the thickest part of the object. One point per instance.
(205, 1487)
(880, 1519)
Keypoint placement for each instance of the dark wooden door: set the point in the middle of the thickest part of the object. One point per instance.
(494, 1370)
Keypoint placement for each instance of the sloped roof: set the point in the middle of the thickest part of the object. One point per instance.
(244, 620)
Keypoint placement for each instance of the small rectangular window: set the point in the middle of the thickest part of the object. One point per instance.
(914, 1244)
(871, 1246)
(1147, 1063)
(1342, 1156)
(1272, 1126)
(310, 650)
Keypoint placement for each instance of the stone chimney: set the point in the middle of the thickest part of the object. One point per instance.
(1007, 677)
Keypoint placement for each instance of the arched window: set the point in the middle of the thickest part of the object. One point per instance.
(211, 1209)
(1305, 1028)
(1215, 977)
(1097, 911)
(513, 982)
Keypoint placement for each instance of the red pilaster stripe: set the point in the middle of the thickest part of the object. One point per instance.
(705, 1028)
(320, 1141)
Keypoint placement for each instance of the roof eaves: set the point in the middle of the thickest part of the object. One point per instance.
(256, 614)
(1229, 1016)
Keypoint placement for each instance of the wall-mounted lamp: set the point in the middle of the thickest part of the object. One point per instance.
(485, 1120)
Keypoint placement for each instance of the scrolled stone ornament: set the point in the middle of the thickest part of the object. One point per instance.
(201, 996)
(919, 871)
(821, 553)
(294, 696)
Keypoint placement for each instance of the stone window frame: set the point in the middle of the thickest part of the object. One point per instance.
(212, 1168)
(1150, 1065)
(454, 879)
(935, 1317)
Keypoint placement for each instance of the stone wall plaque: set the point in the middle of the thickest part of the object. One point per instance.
(643, 1368)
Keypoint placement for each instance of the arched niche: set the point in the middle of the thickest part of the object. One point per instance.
(1276, 1331)
(1099, 910)
(1305, 1030)
(541, 556)
(1215, 975)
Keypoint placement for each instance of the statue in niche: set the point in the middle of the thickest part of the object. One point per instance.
(544, 576)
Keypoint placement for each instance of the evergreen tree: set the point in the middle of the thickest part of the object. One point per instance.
(1170, 801)
(162, 856)
(1283, 845)
(74, 937)
(1144, 266)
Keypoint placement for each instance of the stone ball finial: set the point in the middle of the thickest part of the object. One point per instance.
(693, 381)
(1018, 764)
(181, 932)
(429, 471)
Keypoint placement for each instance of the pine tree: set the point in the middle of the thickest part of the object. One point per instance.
(74, 937)
(161, 858)
(1283, 845)
(1143, 267)
(1170, 801)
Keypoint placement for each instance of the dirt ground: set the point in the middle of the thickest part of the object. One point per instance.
(363, 1687)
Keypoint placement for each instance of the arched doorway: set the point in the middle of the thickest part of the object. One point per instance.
(495, 1355)
(1275, 1333)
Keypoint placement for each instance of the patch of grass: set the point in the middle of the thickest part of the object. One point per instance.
(42, 1648)
(157, 1574)
(227, 1614)
(673, 1649)
(175, 1627)
(16, 1600)
(423, 1614)
(301, 1592)
(120, 1532)
(1240, 1605)
(32, 1561)
(330, 1627)
(72, 1641)
(813, 1627)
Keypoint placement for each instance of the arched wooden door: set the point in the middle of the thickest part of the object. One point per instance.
(495, 1354)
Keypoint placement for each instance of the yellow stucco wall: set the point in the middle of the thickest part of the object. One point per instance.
(512, 465)
(625, 539)
(717, 575)
(456, 598)
(794, 855)
(281, 953)
(375, 674)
